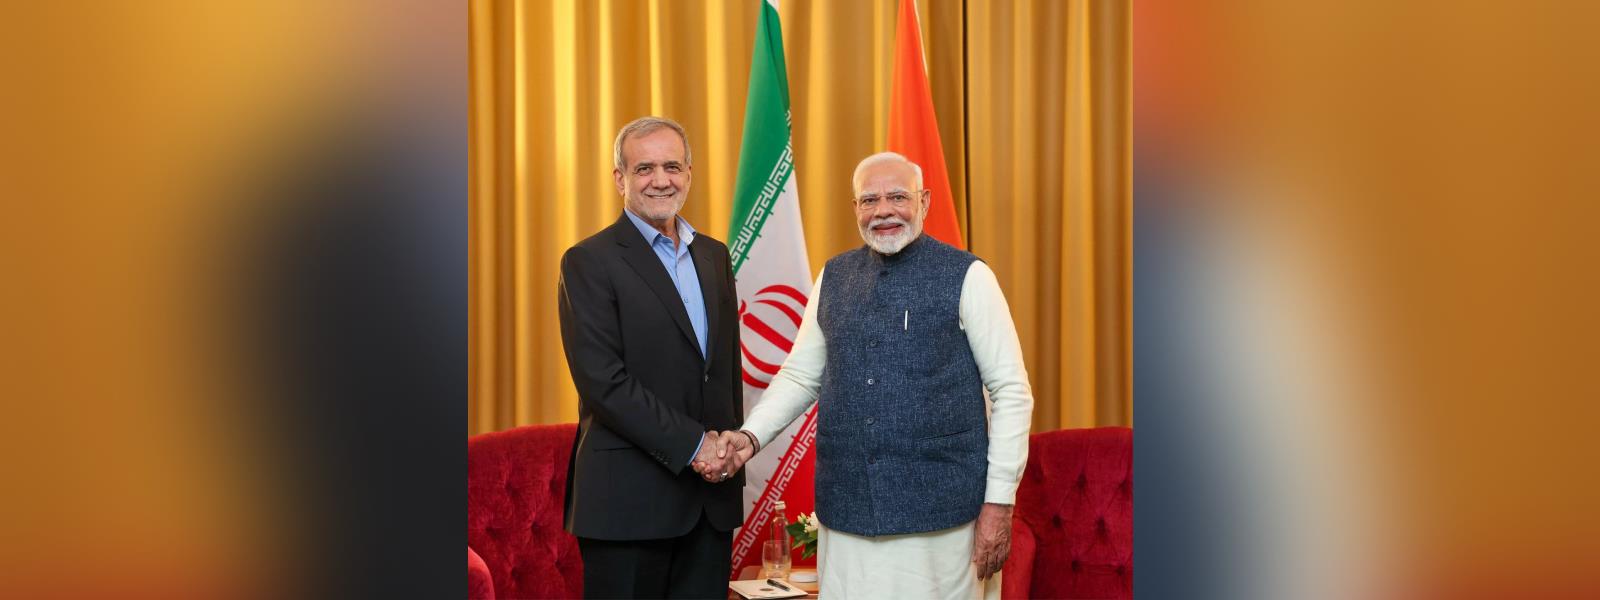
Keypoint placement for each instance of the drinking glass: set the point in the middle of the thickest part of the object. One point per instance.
(775, 559)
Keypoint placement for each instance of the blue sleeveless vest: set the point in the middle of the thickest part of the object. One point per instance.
(902, 438)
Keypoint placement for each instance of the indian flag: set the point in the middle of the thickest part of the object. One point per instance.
(913, 129)
(768, 249)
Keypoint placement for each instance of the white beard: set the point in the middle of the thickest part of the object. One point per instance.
(891, 244)
(652, 210)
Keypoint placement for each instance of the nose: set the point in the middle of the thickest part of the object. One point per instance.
(659, 179)
(884, 210)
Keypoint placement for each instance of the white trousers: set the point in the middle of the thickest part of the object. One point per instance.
(933, 565)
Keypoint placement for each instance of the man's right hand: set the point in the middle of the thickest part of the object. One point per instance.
(736, 449)
(739, 445)
(712, 460)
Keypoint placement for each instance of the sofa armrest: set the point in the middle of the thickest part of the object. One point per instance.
(480, 584)
(1016, 576)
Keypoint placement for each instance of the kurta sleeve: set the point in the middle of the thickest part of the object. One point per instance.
(998, 353)
(794, 389)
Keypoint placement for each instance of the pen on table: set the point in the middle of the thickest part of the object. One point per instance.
(780, 586)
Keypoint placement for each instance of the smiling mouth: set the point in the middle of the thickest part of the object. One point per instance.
(886, 227)
(660, 196)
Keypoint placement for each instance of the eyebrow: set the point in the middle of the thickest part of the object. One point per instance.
(651, 164)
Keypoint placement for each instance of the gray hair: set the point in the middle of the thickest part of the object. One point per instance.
(882, 158)
(645, 126)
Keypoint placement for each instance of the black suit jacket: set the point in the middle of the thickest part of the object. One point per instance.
(645, 395)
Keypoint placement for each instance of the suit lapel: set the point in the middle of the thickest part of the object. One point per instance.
(708, 293)
(644, 261)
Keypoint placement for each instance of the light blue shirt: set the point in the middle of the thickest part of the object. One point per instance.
(680, 267)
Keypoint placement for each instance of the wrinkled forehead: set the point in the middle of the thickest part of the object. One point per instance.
(886, 178)
(659, 146)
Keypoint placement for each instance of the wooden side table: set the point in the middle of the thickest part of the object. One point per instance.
(754, 572)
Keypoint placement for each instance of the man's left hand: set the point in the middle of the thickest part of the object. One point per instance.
(992, 543)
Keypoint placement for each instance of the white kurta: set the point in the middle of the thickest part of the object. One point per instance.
(935, 564)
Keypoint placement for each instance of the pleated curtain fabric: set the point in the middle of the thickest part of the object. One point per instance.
(1032, 100)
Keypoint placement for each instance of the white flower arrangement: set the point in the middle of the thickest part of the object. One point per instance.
(804, 533)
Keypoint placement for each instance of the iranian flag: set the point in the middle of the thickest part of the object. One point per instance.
(768, 249)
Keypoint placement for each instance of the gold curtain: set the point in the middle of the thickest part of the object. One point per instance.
(1033, 105)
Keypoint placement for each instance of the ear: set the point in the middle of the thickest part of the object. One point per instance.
(622, 186)
(927, 199)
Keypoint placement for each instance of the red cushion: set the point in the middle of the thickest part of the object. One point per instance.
(516, 486)
(480, 585)
(1076, 498)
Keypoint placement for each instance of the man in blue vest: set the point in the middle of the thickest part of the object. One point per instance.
(916, 471)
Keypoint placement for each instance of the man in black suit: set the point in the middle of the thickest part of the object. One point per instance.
(648, 320)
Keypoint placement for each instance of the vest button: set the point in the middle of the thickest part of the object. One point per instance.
(871, 381)
(869, 420)
(706, 378)
(872, 460)
(872, 344)
(883, 273)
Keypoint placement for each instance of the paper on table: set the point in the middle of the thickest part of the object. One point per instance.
(759, 588)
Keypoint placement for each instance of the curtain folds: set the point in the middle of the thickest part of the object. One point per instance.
(1033, 105)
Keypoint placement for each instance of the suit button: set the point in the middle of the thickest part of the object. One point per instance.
(871, 381)
(707, 378)
(869, 420)
(872, 344)
(883, 273)
(872, 460)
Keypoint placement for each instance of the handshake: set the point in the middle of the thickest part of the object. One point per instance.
(723, 453)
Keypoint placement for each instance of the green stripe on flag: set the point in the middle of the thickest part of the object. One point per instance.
(766, 161)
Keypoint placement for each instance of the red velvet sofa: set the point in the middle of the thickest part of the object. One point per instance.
(1072, 534)
(516, 486)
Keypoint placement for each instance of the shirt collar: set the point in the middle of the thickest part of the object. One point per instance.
(685, 232)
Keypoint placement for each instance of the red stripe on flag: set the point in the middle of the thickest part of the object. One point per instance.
(776, 486)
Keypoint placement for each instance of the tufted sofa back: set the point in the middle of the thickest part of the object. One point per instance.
(516, 485)
(1073, 536)
(1073, 532)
